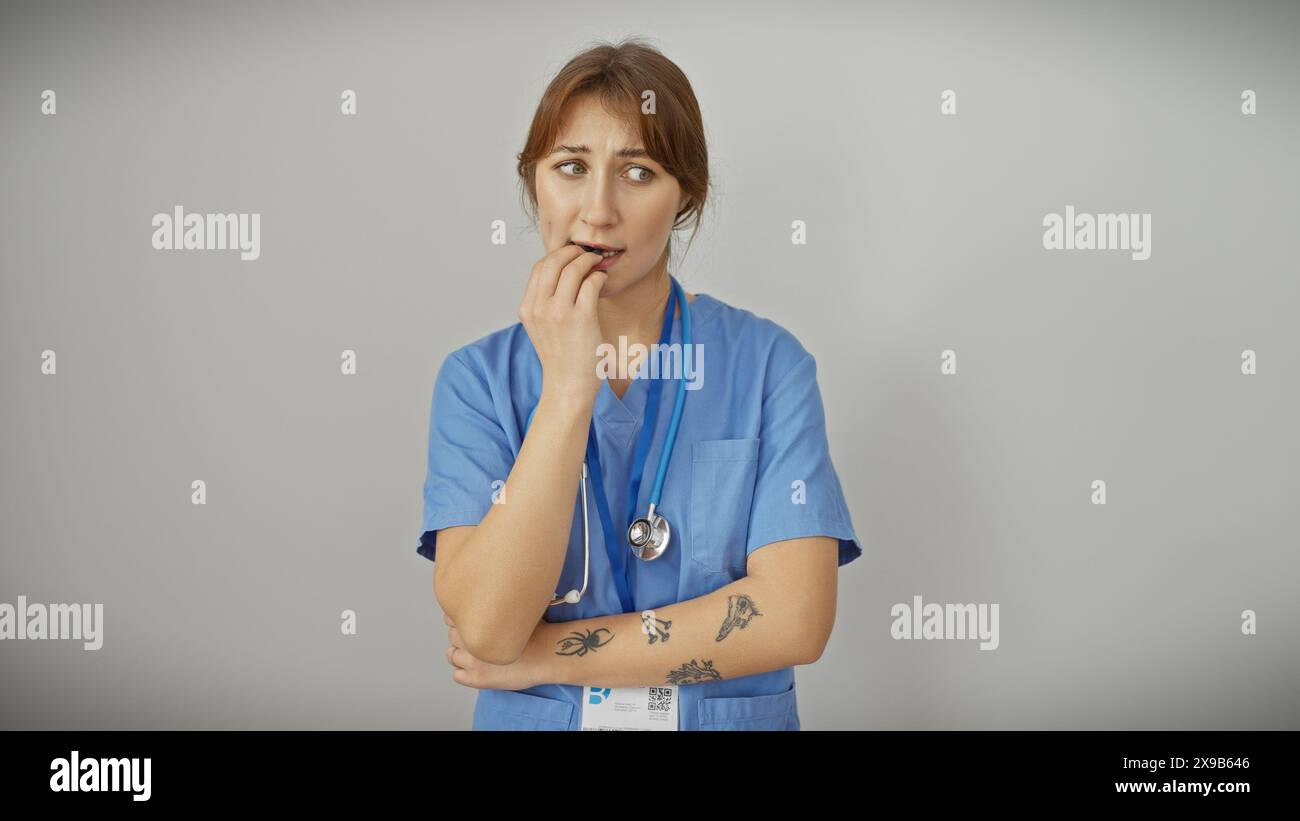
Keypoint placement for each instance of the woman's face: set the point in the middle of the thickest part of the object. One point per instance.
(588, 193)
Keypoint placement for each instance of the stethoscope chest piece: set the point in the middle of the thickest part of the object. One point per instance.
(649, 536)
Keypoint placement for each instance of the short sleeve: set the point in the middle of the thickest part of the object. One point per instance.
(468, 452)
(797, 492)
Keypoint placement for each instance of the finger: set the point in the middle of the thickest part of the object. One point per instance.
(530, 290)
(552, 264)
(590, 290)
(450, 655)
(453, 636)
(573, 275)
(445, 617)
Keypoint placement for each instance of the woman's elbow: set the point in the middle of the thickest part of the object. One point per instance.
(492, 646)
(817, 624)
(814, 651)
(487, 641)
(487, 638)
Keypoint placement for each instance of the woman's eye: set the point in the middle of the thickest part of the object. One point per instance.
(646, 173)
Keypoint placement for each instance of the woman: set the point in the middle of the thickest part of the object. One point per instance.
(704, 635)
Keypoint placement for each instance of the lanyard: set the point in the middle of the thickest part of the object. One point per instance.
(622, 558)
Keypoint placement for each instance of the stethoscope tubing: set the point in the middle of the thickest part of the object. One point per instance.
(576, 595)
(671, 439)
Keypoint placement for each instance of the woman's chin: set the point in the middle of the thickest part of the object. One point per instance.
(617, 281)
(614, 285)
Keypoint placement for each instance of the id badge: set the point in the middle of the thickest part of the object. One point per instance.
(629, 708)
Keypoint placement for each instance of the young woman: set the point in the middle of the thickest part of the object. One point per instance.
(571, 602)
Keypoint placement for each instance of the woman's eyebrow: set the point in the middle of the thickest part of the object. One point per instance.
(582, 149)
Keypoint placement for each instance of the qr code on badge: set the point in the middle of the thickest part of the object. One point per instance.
(661, 699)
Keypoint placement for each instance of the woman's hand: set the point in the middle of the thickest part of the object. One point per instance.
(559, 313)
(527, 671)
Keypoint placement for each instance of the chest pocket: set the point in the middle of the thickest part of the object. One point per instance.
(723, 472)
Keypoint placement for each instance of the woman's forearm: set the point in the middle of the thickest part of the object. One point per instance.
(749, 626)
(502, 579)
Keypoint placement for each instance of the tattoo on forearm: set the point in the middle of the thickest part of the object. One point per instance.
(694, 673)
(740, 609)
(654, 628)
(576, 644)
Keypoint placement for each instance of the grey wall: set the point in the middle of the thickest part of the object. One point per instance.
(925, 234)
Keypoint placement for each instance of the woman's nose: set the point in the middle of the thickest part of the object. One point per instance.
(598, 205)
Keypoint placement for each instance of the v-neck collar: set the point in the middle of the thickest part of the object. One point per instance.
(630, 406)
(617, 415)
(621, 417)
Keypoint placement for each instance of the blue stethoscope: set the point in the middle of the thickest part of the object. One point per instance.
(648, 536)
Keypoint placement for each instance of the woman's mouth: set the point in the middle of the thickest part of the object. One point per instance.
(610, 258)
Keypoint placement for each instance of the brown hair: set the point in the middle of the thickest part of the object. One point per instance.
(617, 76)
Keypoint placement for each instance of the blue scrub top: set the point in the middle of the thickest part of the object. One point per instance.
(754, 427)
